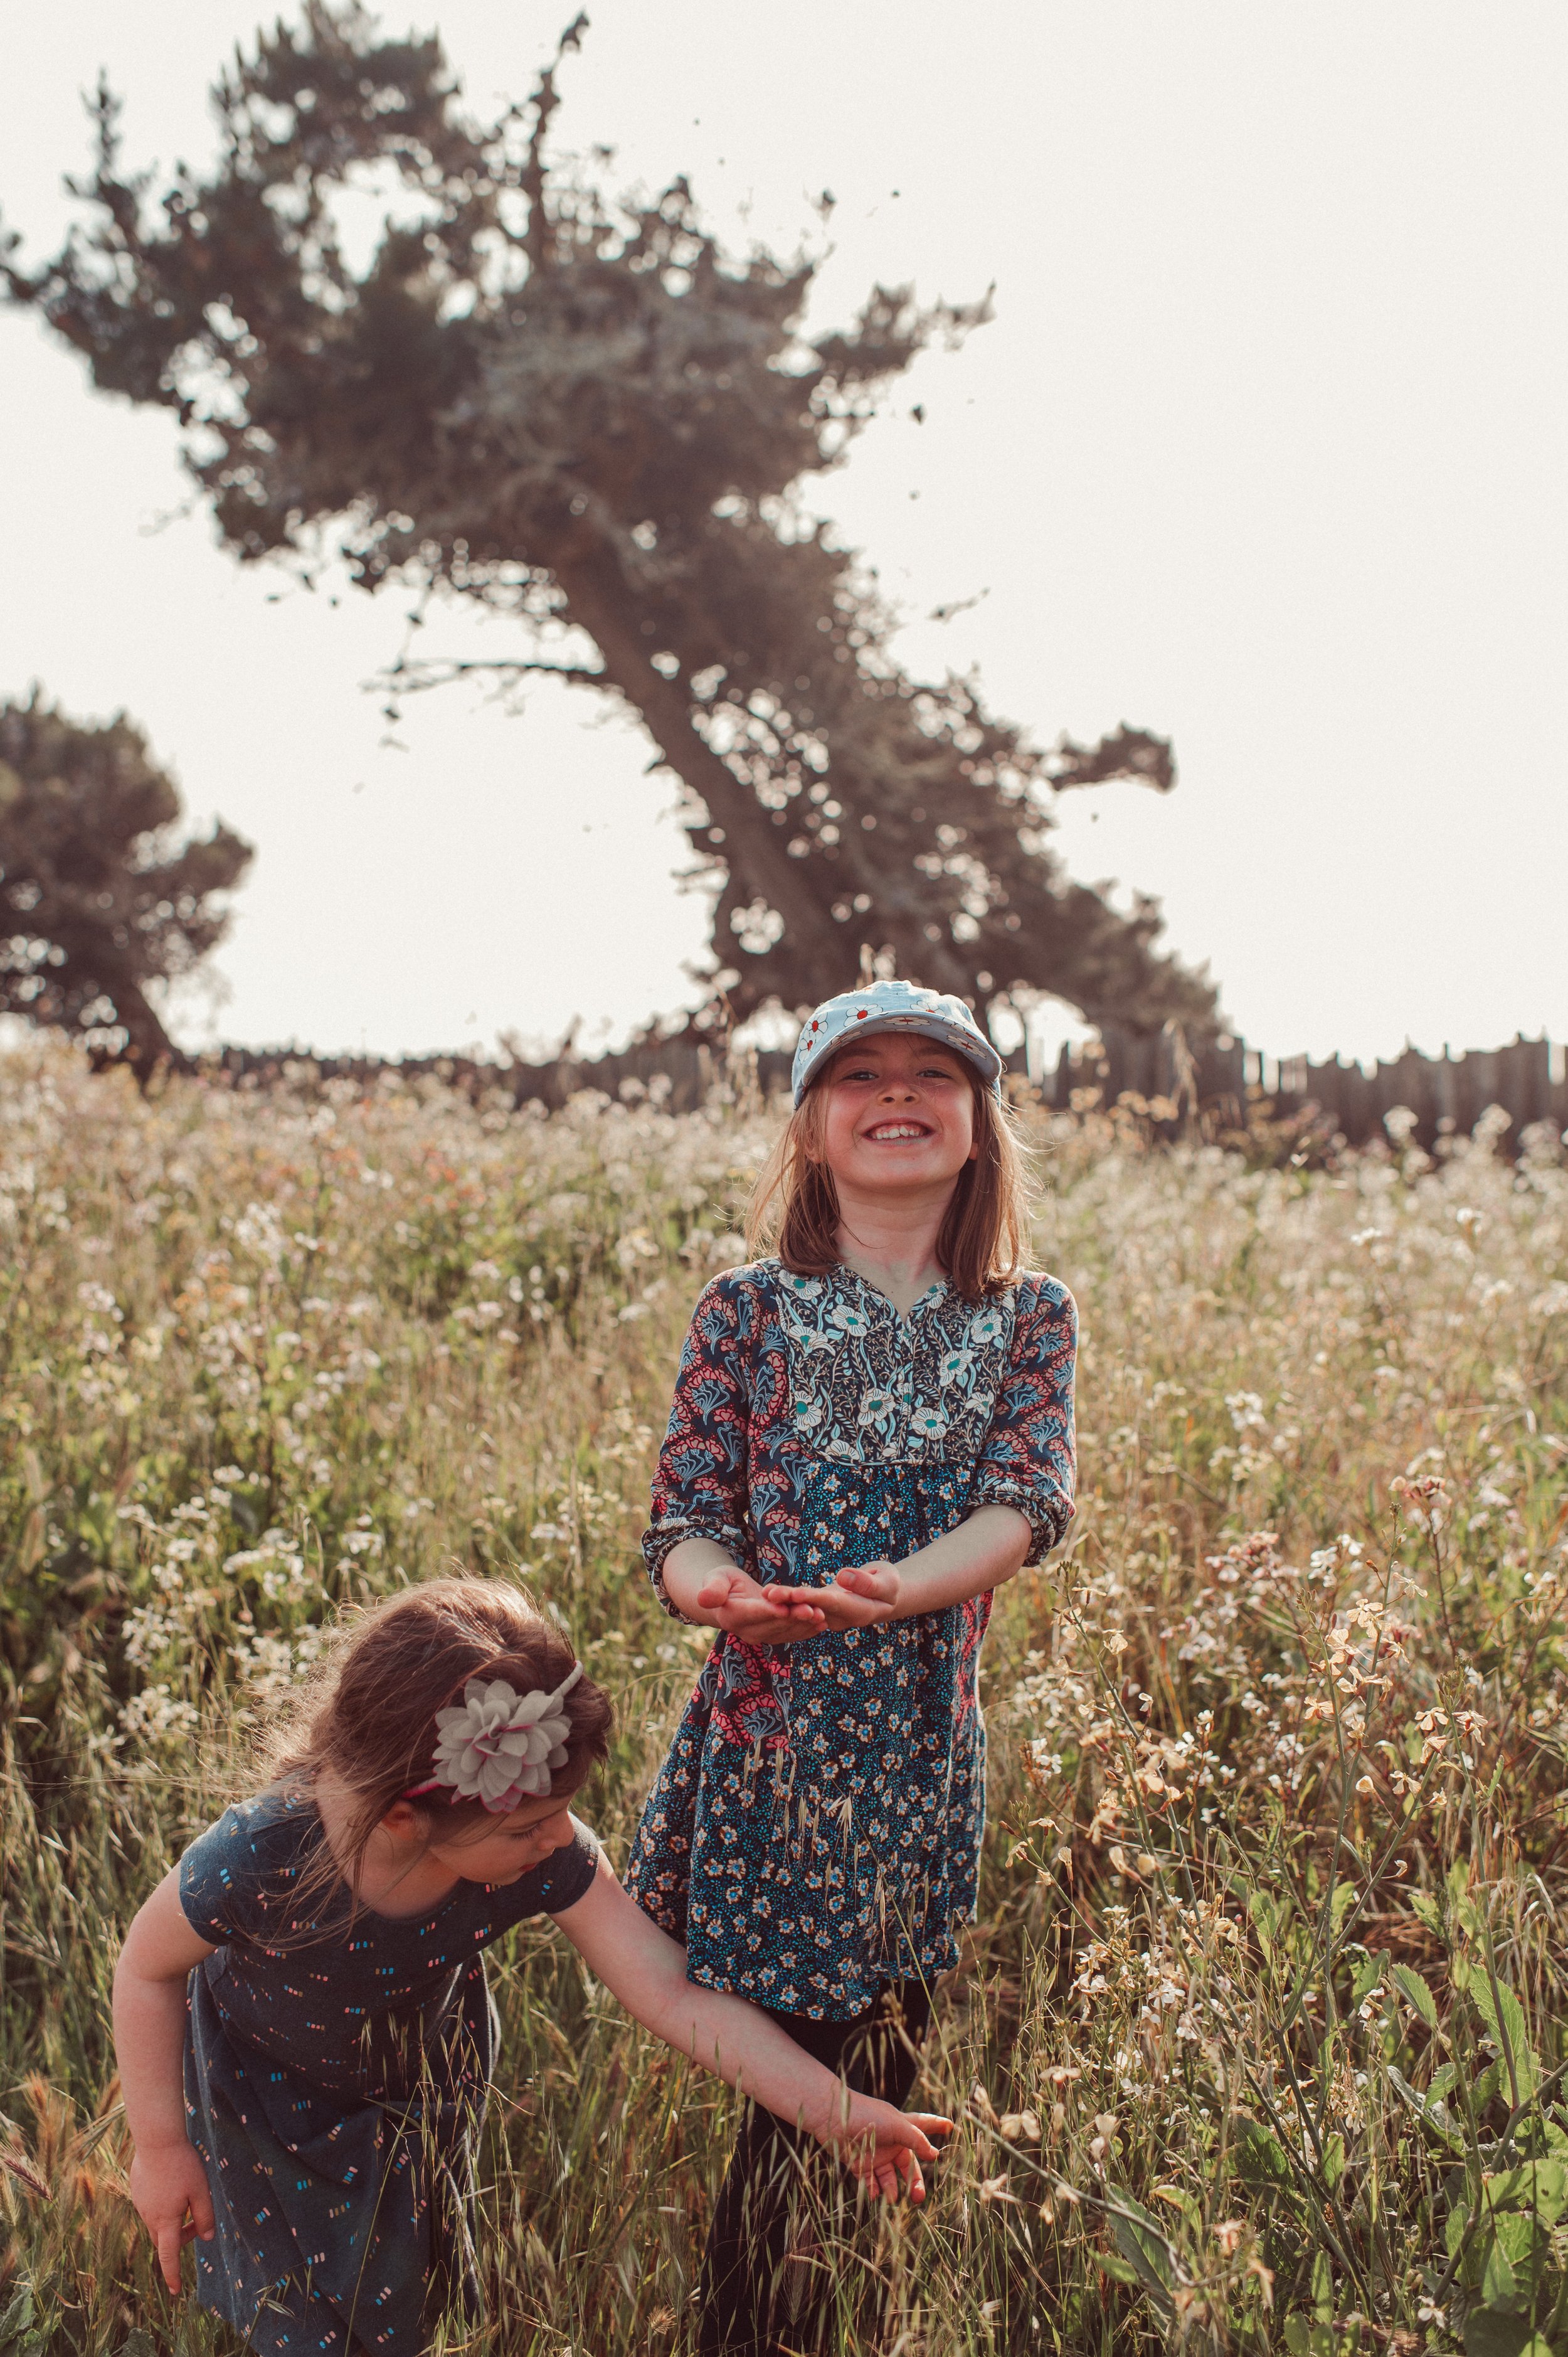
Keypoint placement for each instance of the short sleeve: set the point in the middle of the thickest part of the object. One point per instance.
(562, 1878)
(700, 1484)
(230, 1872)
(1027, 1461)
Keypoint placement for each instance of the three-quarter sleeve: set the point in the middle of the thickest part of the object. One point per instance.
(700, 1484)
(1027, 1460)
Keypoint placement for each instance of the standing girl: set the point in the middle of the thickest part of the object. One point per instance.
(871, 1432)
(301, 2022)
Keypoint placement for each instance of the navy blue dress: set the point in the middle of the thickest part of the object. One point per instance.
(335, 2082)
(815, 1830)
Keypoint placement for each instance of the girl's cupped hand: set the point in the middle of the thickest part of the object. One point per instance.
(856, 1599)
(885, 2147)
(733, 1601)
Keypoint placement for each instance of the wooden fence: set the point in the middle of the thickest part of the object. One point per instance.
(1224, 1081)
(1217, 1085)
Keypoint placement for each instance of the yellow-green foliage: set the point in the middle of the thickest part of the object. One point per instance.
(1257, 2034)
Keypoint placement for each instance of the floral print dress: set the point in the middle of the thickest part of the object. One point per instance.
(815, 1829)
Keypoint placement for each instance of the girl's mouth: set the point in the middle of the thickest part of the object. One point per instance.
(890, 1133)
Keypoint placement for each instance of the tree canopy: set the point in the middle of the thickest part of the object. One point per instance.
(97, 903)
(586, 416)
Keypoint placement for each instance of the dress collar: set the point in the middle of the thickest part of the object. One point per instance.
(852, 1279)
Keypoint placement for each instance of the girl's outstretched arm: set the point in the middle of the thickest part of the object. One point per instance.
(168, 2183)
(646, 1970)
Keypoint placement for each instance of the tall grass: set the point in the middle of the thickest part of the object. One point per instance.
(1262, 2038)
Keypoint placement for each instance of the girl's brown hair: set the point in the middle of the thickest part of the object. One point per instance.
(367, 1718)
(794, 1206)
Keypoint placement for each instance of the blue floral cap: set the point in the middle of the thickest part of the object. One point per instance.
(892, 1006)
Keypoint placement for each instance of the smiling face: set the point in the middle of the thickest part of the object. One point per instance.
(897, 1115)
(502, 1849)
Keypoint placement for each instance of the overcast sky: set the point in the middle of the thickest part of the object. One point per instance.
(1264, 449)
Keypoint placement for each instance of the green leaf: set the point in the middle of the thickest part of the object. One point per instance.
(1333, 2162)
(1430, 2109)
(1492, 2079)
(1345, 1896)
(1142, 2242)
(1369, 1973)
(1426, 1910)
(17, 2317)
(1261, 2158)
(1298, 2336)
(1414, 1991)
(1539, 2187)
(1504, 2016)
(1119, 2267)
(1500, 2284)
(1489, 2333)
(1322, 2288)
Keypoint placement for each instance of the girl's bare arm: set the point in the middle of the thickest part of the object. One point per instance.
(168, 2183)
(646, 1970)
(980, 1554)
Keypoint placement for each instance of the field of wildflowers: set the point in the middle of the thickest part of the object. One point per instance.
(1261, 2039)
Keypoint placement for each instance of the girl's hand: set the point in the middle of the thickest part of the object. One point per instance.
(732, 1600)
(857, 1598)
(885, 2147)
(168, 2185)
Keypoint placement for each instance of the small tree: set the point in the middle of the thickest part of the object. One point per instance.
(588, 417)
(96, 902)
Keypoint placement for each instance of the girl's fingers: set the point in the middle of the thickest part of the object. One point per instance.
(785, 1604)
(170, 2241)
(875, 1581)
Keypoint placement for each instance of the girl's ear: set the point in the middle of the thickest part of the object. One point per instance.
(402, 1821)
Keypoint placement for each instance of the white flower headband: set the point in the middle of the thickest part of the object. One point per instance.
(501, 1747)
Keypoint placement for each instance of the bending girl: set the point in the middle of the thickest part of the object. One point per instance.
(871, 1432)
(303, 2030)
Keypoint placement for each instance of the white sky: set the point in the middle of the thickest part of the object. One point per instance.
(1264, 449)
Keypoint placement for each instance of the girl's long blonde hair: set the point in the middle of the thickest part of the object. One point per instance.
(794, 1207)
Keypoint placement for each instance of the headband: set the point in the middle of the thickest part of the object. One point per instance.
(499, 1747)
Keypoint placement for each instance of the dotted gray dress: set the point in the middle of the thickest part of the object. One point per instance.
(335, 2082)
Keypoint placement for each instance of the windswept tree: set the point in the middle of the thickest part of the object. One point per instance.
(583, 415)
(98, 904)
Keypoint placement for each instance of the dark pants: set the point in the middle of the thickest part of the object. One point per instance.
(768, 2282)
